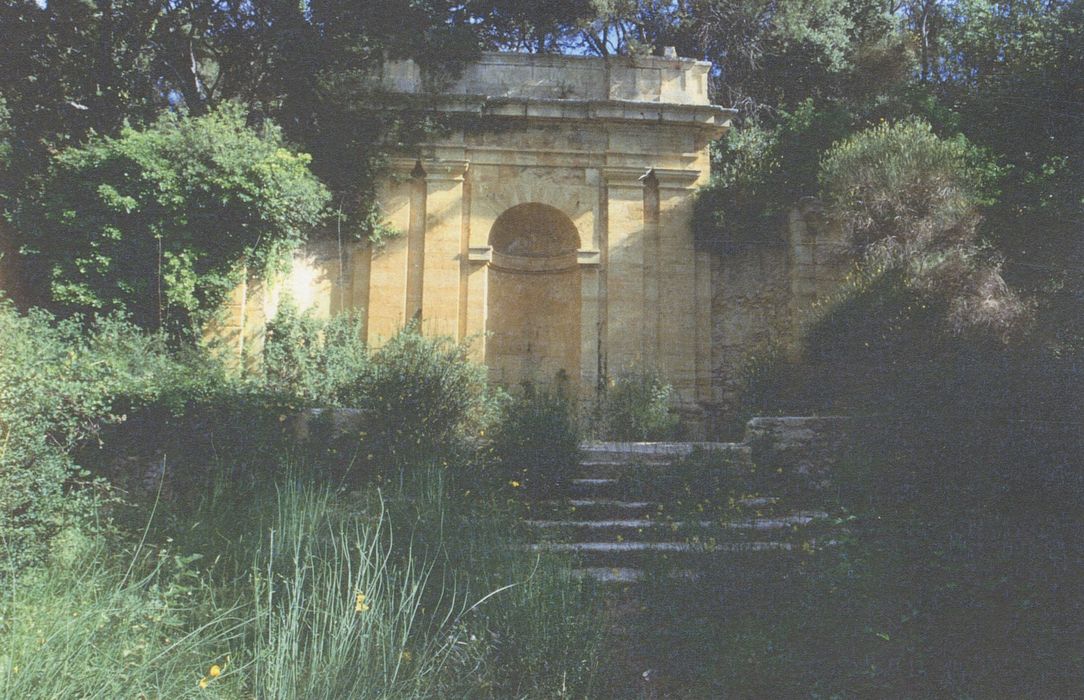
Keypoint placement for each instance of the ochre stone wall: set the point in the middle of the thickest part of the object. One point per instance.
(554, 233)
(764, 291)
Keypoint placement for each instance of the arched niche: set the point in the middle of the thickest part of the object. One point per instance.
(534, 297)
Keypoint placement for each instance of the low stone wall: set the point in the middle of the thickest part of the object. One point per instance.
(336, 421)
(805, 447)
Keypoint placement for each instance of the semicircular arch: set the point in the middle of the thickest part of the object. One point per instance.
(534, 230)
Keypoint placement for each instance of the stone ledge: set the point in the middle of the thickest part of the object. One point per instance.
(636, 78)
(807, 447)
(708, 117)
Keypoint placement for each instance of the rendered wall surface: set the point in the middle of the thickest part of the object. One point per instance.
(555, 235)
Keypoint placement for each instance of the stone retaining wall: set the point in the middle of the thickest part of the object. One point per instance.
(805, 447)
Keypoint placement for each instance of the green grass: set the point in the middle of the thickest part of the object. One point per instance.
(263, 582)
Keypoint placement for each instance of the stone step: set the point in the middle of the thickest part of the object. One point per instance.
(613, 503)
(767, 523)
(624, 574)
(605, 468)
(653, 555)
(604, 507)
(591, 509)
(597, 487)
(658, 452)
(647, 529)
(609, 574)
(632, 514)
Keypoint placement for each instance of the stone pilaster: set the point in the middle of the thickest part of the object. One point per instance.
(415, 262)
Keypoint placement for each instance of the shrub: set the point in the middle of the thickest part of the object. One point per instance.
(59, 387)
(909, 201)
(638, 407)
(422, 395)
(313, 360)
(771, 383)
(159, 223)
(537, 440)
(760, 171)
(901, 184)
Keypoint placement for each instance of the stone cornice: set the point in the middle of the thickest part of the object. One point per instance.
(484, 254)
(668, 178)
(710, 118)
(589, 258)
(480, 254)
(435, 170)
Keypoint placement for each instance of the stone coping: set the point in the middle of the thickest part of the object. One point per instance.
(635, 78)
(710, 117)
(670, 448)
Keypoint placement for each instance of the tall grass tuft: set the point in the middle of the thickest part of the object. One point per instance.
(290, 590)
(93, 625)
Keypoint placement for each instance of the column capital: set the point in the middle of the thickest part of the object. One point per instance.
(433, 170)
(670, 178)
(588, 258)
(480, 254)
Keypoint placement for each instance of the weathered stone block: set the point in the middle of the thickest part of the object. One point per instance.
(806, 448)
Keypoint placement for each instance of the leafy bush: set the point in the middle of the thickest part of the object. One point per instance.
(771, 383)
(760, 171)
(637, 406)
(537, 441)
(908, 200)
(901, 184)
(421, 395)
(312, 360)
(58, 389)
(159, 223)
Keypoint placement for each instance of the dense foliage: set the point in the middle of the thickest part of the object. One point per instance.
(58, 389)
(312, 360)
(537, 441)
(908, 200)
(161, 223)
(165, 531)
(639, 406)
(423, 396)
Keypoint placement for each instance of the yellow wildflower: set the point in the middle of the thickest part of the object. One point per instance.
(215, 671)
(359, 603)
(203, 682)
(514, 484)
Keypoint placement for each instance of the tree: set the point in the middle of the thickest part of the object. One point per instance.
(1016, 72)
(158, 223)
(82, 68)
(519, 25)
(909, 201)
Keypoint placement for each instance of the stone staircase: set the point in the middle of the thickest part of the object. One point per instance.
(641, 509)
